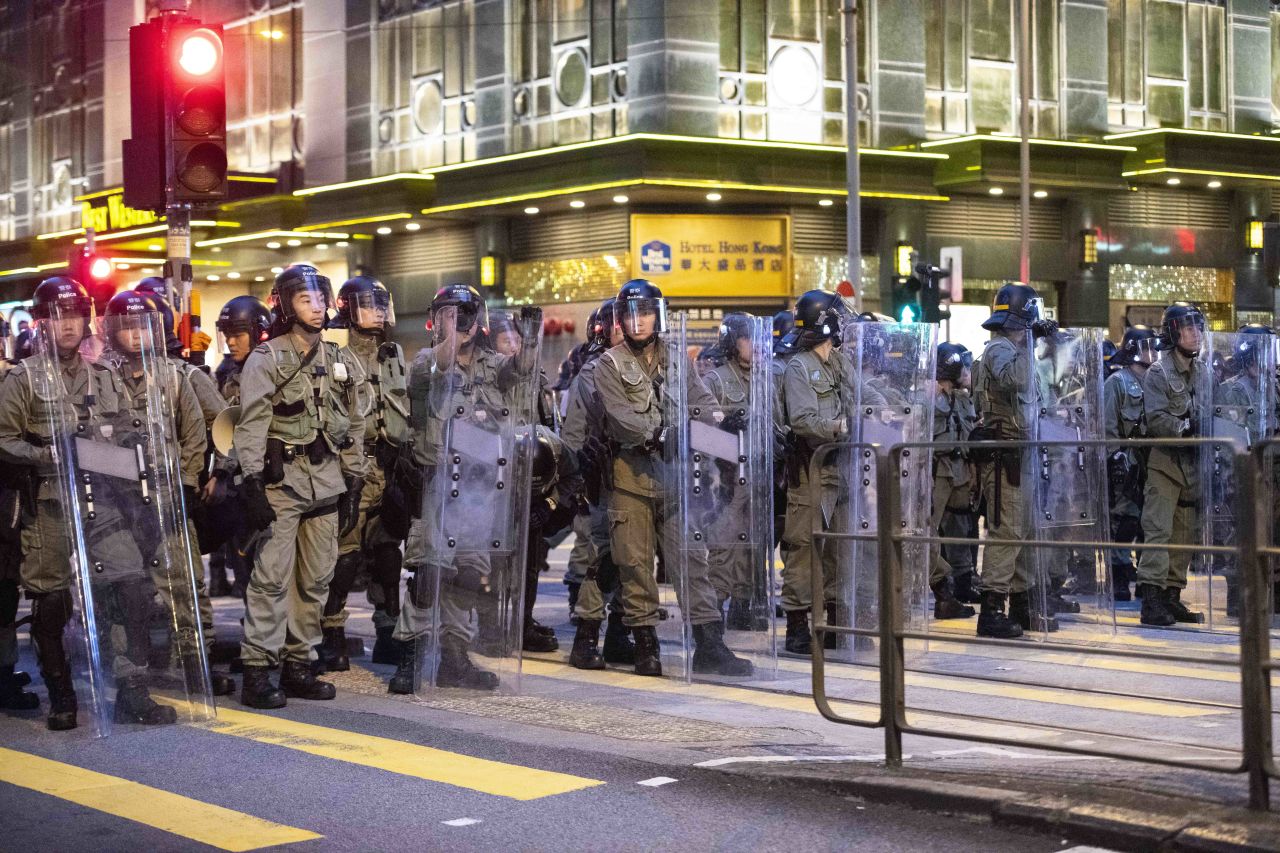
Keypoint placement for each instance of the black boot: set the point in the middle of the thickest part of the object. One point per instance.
(799, 640)
(221, 684)
(12, 696)
(1173, 603)
(992, 621)
(298, 681)
(711, 655)
(135, 705)
(1056, 602)
(384, 648)
(967, 588)
(585, 654)
(406, 668)
(618, 647)
(742, 618)
(256, 689)
(50, 613)
(574, 589)
(333, 651)
(945, 604)
(1020, 613)
(1154, 611)
(457, 670)
(539, 641)
(1121, 576)
(648, 652)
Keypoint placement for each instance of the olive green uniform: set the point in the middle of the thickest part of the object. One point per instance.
(639, 523)
(730, 385)
(310, 416)
(384, 407)
(953, 479)
(1123, 419)
(1173, 481)
(960, 516)
(485, 383)
(1004, 398)
(584, 416)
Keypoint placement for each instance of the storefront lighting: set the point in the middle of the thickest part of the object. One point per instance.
(233, 275)
(259, 278)
(154, 247)
(321, 247)
(1253, 235)
(531, 210)
(488, 271)
(214, 277)
(996, 190)
(122, 266)
(620, 199)
(216, 249)
(1173, 182)
(902, 259)
(1088, 246)
(277, 270)
(714, 196)
(384, 230)
(342, 244)
(1189, 131)
(273, 35)
(361, 220)
(577, 204)
(412, 226)
(54, 235)
(1041, 194)
(364, 182)
(1062, 143)
(266, 235)
(295, 243)
(274, 244)
(825, 202)
(1213, 173)
(18, 271)
(1213, 185)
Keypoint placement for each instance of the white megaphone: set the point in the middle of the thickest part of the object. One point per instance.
(224, 428)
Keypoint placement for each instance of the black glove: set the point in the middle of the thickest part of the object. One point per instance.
(349, 506)
(258, 514)
(1043, 329)
(735, 422)
(539, 513)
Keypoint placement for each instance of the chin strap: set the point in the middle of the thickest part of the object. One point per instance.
(639, 346)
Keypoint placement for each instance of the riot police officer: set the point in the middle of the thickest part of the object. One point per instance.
(817, 402)
(1005, 391)
(366, 309)
(954, 481)
(304, 467)
(242, 324)
(629, 381)
(1173, 392)
(1109, 363)
(1123, 419)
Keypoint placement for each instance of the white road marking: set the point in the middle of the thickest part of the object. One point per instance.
(1009, 753)
(460, 821)
(657, 781)
(771, 759)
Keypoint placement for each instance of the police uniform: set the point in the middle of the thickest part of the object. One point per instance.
(300, 413)
(1123, 419)
(954, 484)
(730, 568)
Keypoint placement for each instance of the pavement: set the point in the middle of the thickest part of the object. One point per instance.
(568, 759)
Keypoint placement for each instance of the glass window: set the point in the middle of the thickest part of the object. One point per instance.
(1045, 36)
(991, 92)
(602, 31)
(572, 20)
(1167, 104)
(1166, 40)
(753, 36)
(619, 32)
(991, 29)
(793, 19)
(1275, 65)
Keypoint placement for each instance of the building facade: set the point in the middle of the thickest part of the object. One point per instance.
(547, 150)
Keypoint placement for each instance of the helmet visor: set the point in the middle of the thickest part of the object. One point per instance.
(1142, 351)
(134, 333)
(66, 324)
(372, 309)
(299, 296)
(1187, 331)
(1034, 310)
(466, 320)
(641, 318)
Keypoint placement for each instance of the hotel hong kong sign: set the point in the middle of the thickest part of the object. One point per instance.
(699, 255)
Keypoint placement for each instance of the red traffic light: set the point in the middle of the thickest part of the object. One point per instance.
(99, 268)
(199, 52)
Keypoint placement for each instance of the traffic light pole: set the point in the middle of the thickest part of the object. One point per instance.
(853, 174)
(177, 267)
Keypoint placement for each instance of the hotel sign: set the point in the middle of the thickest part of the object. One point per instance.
(704, 255)
(112, 214)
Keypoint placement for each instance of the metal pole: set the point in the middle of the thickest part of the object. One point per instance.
(853, 175)
(1024, 146)
(177, 269)
(889, 583)
(1255, 681)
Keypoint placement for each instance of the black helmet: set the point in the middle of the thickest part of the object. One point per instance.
(153, 285)
(1138, 340)
(1179, 316)
(63, 296)
(637, 298)
(295, 279)
(1109, 363)
(503, 321)
(172, 344)
(244, 315)
(951, 362)
(783, 322)
(600, 335)
(468, 302)
(1249, 348)
(129, 309)
(364, 301)
(818, 317)
(546, 461)
(734, 326)
(1015, 307)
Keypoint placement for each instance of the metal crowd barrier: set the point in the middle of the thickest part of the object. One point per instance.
(1253, 662)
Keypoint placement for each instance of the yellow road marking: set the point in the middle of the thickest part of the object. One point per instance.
(395, 756)
(800, 703)
(209, 824)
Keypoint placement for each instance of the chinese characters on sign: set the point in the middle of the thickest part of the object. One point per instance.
(713, 255)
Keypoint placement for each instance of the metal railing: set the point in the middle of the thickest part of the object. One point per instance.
(1253, 662)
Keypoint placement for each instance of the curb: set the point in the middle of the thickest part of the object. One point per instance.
(1168, 824)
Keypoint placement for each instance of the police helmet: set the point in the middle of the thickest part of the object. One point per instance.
(1139, 340)
(1015, 307)
(62, 296)
(364, 305)
(951, 362)
(637, 298)
(295, 279)
(1177, 317)
(244, 315)
(818, 317)
(1250, 347)
(467, 304)
(130, 310)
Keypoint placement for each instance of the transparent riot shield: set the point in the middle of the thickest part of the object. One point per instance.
(1241, 411)
(891, 383)
(1069, 486)
(470, 557)
(718, 490)
(114, 447)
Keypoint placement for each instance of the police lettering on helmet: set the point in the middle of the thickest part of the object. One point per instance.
(365, 305)
(64, 314)
(129, 322)
(301, 296)
(641, 311)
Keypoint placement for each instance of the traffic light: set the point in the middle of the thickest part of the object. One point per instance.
(906, 307)
(94, 271)
(178, 150)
